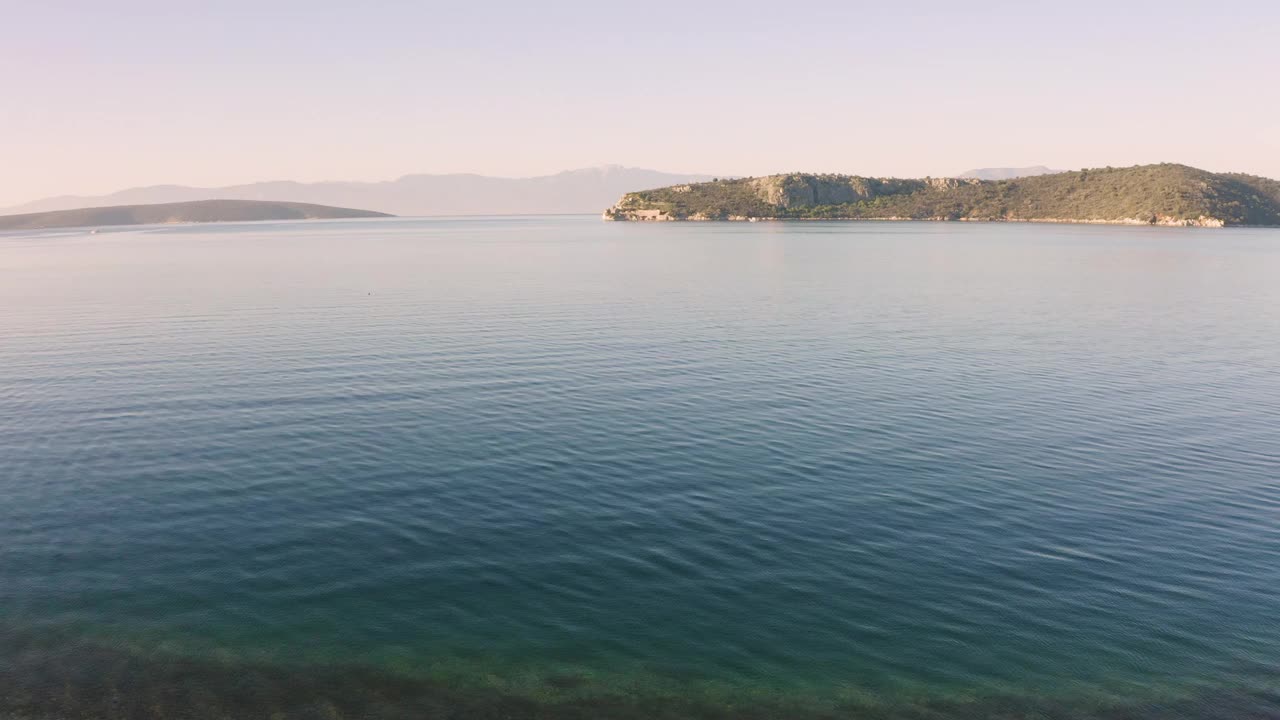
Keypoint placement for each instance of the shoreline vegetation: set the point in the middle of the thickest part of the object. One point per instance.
(198, 211)
(1163, 195)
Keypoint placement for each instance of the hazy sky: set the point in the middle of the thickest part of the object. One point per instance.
(99, 96)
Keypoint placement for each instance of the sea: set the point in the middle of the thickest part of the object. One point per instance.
(553, 467)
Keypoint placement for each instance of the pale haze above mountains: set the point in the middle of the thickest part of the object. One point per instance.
(574, 191)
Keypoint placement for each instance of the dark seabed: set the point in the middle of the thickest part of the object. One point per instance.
(555, 467)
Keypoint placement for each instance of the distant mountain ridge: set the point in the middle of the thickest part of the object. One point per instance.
(1008, 173)
(572, 191)
(1166, 194)
(180, 212)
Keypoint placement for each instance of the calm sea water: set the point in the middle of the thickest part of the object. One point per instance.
(558, 467)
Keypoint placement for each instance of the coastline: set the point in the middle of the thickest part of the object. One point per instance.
(1163, 195)
(1213, 223)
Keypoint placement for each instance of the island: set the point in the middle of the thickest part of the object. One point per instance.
(1165, 194)
(200, 211)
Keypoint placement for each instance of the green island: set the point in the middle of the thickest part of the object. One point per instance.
(1165, 194)
(197, 211)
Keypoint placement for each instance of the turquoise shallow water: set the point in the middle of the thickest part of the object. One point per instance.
(557, 467)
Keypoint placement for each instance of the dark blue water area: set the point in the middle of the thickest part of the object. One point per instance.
(877, 466)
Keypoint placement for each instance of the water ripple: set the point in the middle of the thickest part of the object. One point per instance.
(715, 467)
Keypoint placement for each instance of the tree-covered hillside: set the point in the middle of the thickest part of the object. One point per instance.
(1158, 194)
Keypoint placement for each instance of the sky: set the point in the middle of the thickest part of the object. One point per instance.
(101, 96)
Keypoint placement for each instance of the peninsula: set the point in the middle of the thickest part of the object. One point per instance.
(1165, 194)
(200, 211)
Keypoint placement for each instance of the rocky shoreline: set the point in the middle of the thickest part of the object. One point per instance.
(619, 215)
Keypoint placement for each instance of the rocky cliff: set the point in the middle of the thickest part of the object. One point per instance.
(1174, 195)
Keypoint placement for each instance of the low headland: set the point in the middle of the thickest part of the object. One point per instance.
(1165, 194)
(200, 211)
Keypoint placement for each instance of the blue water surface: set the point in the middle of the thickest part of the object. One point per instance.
(873, 462)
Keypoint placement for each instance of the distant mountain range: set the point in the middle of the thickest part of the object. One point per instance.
(1008, 173)
(1164, 194)
(574, 191)
(181, 212)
